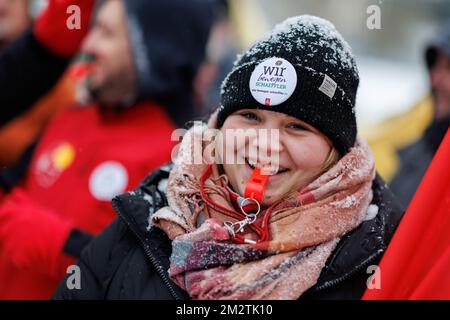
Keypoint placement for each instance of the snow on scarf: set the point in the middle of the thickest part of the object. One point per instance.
(305, 228)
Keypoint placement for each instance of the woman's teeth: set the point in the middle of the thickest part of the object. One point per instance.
(271, 171)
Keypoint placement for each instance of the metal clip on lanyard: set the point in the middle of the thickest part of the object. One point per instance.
(236, 227)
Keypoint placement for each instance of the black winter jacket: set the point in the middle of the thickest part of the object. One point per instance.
(415, 159)
(129, 260)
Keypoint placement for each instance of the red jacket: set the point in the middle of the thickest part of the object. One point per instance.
(82, 161)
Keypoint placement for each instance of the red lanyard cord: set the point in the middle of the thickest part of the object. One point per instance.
(215, 206)
(231, 213)
(262, 232)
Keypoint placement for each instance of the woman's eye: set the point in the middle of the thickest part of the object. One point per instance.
(296, 126)
(249, 116)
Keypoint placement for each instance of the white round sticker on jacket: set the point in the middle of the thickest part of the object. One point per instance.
(108, 180)
(273, 81)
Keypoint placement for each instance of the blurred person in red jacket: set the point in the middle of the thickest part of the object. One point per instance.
(145, 55)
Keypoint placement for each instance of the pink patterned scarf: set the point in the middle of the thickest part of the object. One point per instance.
(304, 229)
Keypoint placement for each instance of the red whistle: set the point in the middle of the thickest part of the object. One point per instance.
(256, 186)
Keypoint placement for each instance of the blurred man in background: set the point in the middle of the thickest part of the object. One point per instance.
(144, 56)
(415, 158)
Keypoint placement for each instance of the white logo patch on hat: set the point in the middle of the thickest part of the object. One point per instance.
(328, 86)
(273, 81)
(108, 180)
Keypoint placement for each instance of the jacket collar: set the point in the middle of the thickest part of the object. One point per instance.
(135, 208)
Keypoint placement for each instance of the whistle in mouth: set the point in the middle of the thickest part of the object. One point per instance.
(256, 186)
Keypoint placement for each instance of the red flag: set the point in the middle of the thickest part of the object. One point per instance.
(416, 264)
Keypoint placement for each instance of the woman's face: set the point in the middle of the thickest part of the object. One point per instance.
(299, 149)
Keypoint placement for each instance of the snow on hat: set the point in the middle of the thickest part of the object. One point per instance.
(305, 69)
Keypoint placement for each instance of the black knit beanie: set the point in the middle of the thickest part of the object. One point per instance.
(304, 69)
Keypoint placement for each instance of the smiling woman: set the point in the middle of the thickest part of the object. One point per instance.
(301, 216)
(301, 152)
